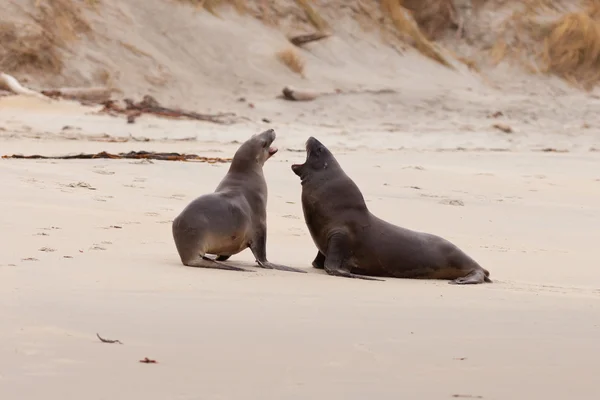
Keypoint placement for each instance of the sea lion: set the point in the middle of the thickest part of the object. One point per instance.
(353, 243)
(234, 216)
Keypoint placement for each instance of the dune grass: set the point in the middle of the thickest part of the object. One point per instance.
(548, 39)
(37, 46)
(433, 17)
(291, 59)
(572, 49)
(407, 26)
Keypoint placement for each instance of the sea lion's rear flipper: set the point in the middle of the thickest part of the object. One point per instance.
(346, 274)
(337, 251)
(473, 278)
(270, 265)
(205, 262)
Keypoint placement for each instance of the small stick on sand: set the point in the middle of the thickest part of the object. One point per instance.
(108, 340)
(301, 40)
(12, 84)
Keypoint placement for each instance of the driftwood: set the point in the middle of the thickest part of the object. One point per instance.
(131, 155)
(503, 127)
(96, 95)
(149, 105)
(291, 94)
(301, 40)
(299, 95)
(12, 84)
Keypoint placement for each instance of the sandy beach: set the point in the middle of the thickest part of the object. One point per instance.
(87, 248)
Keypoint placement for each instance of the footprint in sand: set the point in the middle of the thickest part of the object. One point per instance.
(151, 214)
(142, 161)
(102, 198)
(103, 172)
(435, 196)
(50, 228)
(29, 259)
(47, 249)
(452, 202)
(100, 246)
(82, 185)
(296, 231)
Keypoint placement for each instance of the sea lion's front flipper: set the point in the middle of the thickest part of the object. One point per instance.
(258, 246)
(338, 249)
(319, 261)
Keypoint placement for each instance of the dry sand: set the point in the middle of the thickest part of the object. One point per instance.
(531, 218)
(87, 247)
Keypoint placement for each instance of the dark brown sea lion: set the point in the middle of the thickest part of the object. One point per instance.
(232, 218)
(353, 243)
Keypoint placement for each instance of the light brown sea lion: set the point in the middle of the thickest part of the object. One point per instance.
(232, 218)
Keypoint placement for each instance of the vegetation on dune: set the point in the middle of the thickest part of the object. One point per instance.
(547, 36)
(291, 59)
(572, 47)
(38, 46)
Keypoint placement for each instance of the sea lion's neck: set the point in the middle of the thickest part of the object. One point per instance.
(335, 185)
(243, 164)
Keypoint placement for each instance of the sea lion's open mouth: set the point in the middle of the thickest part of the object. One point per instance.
(272, 151)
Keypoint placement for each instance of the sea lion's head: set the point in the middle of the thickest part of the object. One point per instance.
(257, 149)
(318, 160)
